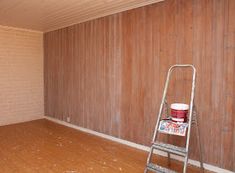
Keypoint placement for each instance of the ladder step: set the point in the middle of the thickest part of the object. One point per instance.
(170, 148)
(159, 169)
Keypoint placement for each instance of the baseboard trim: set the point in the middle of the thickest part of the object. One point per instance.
(207, 166)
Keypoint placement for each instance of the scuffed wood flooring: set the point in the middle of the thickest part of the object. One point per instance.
(45, 147)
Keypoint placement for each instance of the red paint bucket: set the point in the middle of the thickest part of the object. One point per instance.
(179, 112)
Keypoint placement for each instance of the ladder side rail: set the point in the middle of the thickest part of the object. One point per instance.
(199, 141)
(162, 103)
(159, 114)
(190, 116)
(149, 157)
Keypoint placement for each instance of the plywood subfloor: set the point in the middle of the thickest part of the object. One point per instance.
(43, 146)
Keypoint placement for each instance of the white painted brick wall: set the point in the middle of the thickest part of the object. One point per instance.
(21, 75)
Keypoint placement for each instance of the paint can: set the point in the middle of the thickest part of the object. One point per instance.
(179, 112)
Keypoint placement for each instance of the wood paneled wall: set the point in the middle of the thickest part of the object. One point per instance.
(108, 74)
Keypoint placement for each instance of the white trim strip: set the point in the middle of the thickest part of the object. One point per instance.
(140, 147)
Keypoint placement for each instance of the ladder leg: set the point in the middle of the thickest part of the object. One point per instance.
(149, 158)
(168, 154)
(185, 164)
(199, 145)
(187, 142)
(169, 159)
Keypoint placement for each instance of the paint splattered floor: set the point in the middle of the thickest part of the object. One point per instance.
(45, 147)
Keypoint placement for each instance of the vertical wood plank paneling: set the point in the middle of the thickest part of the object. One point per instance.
(108, 74)
(228, 121)
(198, 39)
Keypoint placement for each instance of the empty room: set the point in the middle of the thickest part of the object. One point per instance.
(117, 86)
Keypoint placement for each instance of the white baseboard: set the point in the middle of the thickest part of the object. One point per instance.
(140, 147)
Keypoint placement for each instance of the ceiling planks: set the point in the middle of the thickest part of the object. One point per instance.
(48, 15)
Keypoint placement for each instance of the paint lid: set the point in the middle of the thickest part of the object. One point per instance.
(180, 106)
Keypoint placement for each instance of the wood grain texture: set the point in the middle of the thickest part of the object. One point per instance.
(108, 74)
(43, 146)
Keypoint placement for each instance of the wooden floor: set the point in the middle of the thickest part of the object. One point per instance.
(45, 147)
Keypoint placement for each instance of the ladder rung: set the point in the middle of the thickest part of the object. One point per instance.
(159, 169)
(170, 148)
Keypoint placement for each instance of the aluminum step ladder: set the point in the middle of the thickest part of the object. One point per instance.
(172, 149)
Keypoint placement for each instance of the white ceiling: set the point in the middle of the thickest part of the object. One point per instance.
(47, 15)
